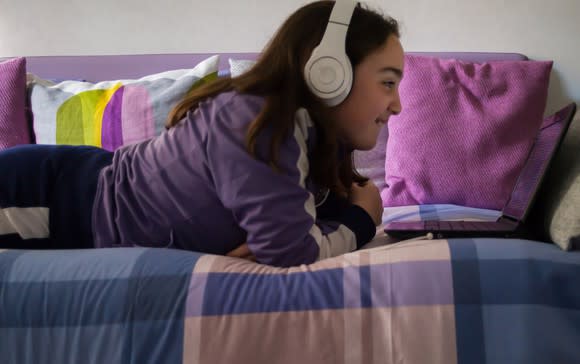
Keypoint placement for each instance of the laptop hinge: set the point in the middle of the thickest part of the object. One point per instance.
(508, 219)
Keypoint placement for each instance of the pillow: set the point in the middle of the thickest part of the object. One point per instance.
(464, 132)
(110, 114)
(556, 210)
(14, 128)
(239, 66)
(371, 163)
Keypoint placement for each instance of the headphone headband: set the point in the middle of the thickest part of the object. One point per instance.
(342, 12)
(328, 72)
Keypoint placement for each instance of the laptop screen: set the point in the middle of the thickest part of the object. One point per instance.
(549, 138)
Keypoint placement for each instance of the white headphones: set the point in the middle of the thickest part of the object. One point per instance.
(328, 72)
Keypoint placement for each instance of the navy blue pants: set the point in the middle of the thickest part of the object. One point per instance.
(47, 194)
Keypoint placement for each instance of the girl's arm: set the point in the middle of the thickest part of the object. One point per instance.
(274, 208)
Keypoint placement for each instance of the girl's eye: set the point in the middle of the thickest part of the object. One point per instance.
(389, 84)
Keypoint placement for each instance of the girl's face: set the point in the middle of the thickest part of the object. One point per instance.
(373, 98)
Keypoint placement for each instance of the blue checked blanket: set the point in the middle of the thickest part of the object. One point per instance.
(439, 301)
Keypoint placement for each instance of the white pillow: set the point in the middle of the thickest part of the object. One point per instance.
(239, 66)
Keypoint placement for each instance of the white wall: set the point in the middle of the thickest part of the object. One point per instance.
(541, 29)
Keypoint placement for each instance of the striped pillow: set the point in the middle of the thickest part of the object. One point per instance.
(110, 114)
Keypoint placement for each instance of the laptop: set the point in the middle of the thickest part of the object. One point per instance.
(516, 209)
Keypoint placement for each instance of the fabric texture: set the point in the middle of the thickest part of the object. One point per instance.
(240, 66)
(464, 132)
(437, 302)
(557, 209)
(371, 163)
(110, 114)
(42, 181)
(14, 127)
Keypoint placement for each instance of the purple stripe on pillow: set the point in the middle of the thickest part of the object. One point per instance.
(112, 133)
(137, 116)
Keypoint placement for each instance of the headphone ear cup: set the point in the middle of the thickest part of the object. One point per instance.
(328, 72)
(328, 77)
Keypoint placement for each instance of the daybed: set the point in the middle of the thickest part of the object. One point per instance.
(478, 300)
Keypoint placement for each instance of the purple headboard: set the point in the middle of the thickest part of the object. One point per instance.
(112, 67)
(105, 67)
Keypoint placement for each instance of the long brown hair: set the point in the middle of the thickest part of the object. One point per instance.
(278, 77)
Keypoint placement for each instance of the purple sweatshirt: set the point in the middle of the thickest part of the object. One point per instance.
(195, 187)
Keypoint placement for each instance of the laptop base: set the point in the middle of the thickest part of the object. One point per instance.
(452, 229)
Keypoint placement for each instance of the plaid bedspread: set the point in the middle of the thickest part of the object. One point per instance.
(457, 301)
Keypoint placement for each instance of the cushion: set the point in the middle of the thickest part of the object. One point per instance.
(239, 66)
(371, 163)
(14, 128)
(557, 209)
(110, 114)
(464, 132)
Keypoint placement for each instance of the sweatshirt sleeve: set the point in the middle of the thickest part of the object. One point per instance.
(274, 208)
(340, 210)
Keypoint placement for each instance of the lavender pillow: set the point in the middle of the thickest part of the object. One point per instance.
(13, 125)
(464, 132)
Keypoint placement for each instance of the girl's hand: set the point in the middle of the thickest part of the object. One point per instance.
(243, 251)
(368, 197)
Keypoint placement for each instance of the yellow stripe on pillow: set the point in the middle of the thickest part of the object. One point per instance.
(85, 108)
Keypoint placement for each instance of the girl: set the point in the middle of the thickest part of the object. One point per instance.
(256, 165)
